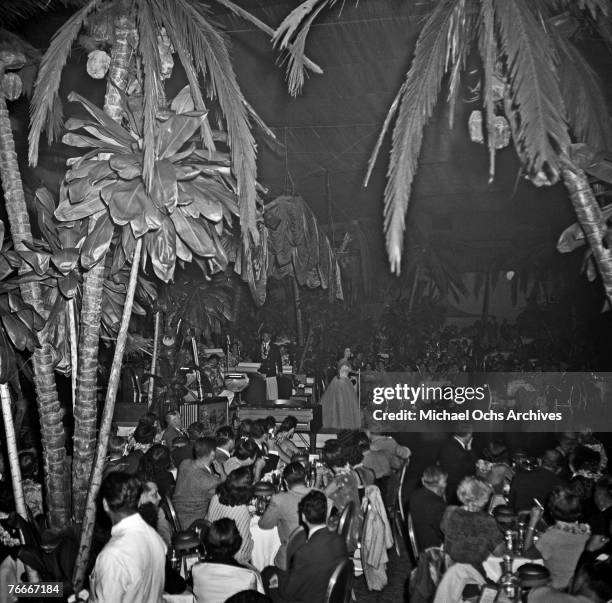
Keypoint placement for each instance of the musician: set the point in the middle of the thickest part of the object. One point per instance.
(271, 364)
(269, 356)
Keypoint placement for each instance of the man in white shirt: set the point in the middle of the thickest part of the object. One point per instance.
(131, 567)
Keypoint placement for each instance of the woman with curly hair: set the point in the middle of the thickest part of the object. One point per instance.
(232, 501)
(471, 534)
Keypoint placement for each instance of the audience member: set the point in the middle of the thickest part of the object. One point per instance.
(601, 521)
(226, 442)
(591, 584)
(131, 565)
(458, 460)
(562, 543)
(245, 455)
(584, 465)
(282, 443)
(379, 442)
(174, 428)
(32, 488)
(427, 506)
(155, 466)
(116, 461)
(312, 563)
(220, 576)
(148, 507)
(196, 483)
(282, 512)
(538, 483)
(471, 534)
(194, 432)
(232, 501)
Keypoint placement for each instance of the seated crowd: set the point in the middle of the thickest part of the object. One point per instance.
(159, 485)
(556, 511)
(466, 506)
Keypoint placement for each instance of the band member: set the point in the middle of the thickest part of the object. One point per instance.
(271, 364)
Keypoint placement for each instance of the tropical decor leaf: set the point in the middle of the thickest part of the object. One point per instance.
(48, 80)
(298, 248)
(422, 87)
(208, 49)
(542, 133)
(583, 96)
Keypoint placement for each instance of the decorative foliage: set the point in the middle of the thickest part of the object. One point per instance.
(203, 51)
(186, 213)
(297, 247)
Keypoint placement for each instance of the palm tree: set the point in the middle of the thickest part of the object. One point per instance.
(15, 54)
(130, 28)
(532, 72)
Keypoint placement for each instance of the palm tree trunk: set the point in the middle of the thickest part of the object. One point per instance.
(591, 220)
(105, 427)
(13, 458)
(85, 409)
(154, 358)
(52, 430)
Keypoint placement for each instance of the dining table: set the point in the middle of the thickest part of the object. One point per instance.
(265, 544)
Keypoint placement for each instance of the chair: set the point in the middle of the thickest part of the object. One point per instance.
(398, 515)
(412, 538)
(340, 586)
(345, 521)
(170, 512)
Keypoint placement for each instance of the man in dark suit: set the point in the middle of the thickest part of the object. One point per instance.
(538, 483)
(427, 506)
(312, 563)
(269, 356)
(174, 428)
(458, 460)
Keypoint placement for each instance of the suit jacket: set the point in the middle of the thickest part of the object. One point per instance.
(171, 433)
(273, 364)
(182, 454)
(311, 567)
(194, 489)
(528, 485)
(427, 509)
(282, 513)
(458, 463)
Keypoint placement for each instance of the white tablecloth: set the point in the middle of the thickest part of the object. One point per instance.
(186, 597)
(493, 568)
(265, 545)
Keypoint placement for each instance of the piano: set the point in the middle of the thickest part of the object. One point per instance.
(309, 418)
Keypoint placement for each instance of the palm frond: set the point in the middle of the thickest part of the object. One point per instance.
(532, 69)
(48, 80)
(460, 41)
(422, 87)
(209, 51)
(488, 51)
(13, 11)
(247, 16)
(583, 96)
(291, 36)
(147, 43)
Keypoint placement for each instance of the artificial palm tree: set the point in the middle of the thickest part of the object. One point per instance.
(131, 31)
(533, 73)
(15, 54)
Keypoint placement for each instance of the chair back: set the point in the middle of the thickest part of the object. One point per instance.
(170, 512)
(412, 537)
(346, 519)
(340, 585)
